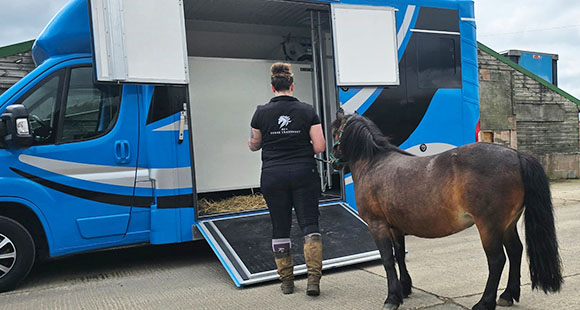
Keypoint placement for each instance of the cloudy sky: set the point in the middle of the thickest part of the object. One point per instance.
(536, 25)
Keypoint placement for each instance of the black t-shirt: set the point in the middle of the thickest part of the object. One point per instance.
(285, 126)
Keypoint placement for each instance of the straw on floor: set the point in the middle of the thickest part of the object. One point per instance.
(233, 204)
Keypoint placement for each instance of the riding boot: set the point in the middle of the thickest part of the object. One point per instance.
(313, 257)
(285, 271)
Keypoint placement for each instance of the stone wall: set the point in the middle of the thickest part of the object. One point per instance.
(522, 113)
(13, 68)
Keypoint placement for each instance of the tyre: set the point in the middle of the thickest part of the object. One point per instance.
(17, 252)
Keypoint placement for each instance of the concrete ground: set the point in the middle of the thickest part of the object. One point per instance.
(448, 273)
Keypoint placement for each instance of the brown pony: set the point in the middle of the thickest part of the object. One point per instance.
(488, 185)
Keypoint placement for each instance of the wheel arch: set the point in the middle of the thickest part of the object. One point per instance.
(29, 216)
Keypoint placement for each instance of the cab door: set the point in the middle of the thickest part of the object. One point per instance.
(84, 156)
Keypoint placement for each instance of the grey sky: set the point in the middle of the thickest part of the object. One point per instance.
(536, 25)
(23, 20)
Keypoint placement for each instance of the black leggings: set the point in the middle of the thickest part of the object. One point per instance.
(290, 186)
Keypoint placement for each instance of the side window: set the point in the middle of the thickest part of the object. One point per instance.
(90, 109)
(42, 103)
(438, 61)
(166, 101)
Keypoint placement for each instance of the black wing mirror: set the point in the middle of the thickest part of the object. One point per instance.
(15, 127)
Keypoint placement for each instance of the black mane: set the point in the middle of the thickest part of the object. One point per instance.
(362, 139)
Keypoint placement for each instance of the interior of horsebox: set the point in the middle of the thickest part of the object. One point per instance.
(231, 46)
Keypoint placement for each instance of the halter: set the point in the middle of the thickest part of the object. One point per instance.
(333, 158)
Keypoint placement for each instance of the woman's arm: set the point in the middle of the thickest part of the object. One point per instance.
(317, 137)
(255, 142)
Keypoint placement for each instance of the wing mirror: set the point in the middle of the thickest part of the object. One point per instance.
(15, 127)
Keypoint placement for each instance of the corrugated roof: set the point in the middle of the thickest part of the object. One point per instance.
(528, 73)
(17, 48)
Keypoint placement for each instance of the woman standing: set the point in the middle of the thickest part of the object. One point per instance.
(290, 134)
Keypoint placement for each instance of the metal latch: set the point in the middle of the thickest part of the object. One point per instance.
(182, 119)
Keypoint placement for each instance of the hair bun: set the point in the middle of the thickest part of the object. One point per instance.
(281, 68)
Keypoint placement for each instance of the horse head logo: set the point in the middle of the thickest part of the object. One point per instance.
(284, 120)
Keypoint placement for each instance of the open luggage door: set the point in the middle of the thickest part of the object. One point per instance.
(132, 44)
(243, 243)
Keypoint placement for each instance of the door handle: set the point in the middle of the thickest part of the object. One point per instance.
(122, 152)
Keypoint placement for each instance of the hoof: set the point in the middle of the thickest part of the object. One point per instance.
(480, 306)
(390, 306)
(504, 303)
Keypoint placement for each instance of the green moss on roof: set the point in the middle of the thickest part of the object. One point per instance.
(528, 73)
(14, 49)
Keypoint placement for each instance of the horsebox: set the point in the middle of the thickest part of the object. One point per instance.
(137, 116)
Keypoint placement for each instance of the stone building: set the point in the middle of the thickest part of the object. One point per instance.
(525, 112)
(15, 63)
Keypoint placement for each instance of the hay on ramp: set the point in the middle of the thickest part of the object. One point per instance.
(233, 204)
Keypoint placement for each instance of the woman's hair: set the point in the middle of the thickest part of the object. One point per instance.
(282, 77)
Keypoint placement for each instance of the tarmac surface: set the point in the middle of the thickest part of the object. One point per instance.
(447, 273)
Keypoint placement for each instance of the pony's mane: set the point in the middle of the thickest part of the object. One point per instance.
(363, 140)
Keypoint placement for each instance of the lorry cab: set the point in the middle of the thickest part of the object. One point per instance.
(139, 111)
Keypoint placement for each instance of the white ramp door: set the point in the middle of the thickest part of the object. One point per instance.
(139, 41)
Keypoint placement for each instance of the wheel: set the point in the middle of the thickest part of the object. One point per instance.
(17, 252)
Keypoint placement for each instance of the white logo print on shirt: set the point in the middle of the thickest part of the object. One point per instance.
(284, 121)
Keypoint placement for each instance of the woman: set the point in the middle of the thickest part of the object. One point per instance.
(289, 133)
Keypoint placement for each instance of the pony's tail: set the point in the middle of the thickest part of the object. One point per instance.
(541, 241)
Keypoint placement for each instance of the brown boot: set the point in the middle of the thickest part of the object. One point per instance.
(313, 257)
(285, 271)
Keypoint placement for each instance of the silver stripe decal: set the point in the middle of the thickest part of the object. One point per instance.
(348, 180)
(110, 175)
(358, 100)
(435, 31)
(170, 178)
(405, 25)
(171, 127)
(468, 19)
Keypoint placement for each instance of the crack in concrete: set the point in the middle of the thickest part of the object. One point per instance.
(450, 300)
(445, 300)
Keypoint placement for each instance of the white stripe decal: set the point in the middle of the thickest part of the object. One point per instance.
(348, 180)
(170, 178)
(435, 31)
(405, 25)
(468, 19)
(358, 100)
(171, 127)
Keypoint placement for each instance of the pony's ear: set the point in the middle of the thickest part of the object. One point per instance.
(340, 113)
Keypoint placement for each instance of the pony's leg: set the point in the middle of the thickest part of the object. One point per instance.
(514, 249)
(406, 282)
(492, 240)
(382, 237)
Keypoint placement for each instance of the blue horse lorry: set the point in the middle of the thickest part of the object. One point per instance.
(139, 110)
